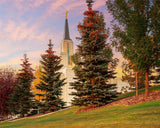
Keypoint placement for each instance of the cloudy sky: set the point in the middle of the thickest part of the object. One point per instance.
(27, 25)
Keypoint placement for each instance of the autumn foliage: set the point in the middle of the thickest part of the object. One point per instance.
(7, 80)
(37, 80)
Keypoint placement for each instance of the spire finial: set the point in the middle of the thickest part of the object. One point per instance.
(66, 14)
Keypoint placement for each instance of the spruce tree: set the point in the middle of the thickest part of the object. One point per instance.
(92, 62)
(21, 99)
(51, 82)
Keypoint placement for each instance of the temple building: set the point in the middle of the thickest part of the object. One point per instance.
(66, 51)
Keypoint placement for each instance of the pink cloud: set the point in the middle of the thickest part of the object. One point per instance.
(74, 4)
(23, 5)
(37, 3)
(2, 1)
(13, 62)
(54, 7)
(99, 3)
(19, 31)
(59, 7)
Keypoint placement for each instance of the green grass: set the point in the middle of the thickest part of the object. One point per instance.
(133, 116)
(143, 115)
(128, 94)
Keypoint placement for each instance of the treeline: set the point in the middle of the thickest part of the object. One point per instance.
(17, 95)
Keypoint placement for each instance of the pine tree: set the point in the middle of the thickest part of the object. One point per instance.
(21, 99)
(92, 62)
(137, 33)
(51, 83)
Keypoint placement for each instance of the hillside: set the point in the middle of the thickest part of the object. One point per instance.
(143, 114)
(154, 95)
(146, 115)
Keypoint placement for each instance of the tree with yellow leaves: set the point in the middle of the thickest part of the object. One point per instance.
(38, 93)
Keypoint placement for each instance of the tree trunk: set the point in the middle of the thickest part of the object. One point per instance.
(92, 81)
(146, 83)
(92, 97)
(136, 83)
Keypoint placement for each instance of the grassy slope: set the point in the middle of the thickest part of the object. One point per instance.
(139, 115)
(154, 88)
(143, 114)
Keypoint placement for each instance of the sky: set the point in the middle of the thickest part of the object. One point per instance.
(27, 25)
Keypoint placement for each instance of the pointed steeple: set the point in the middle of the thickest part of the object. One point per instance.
(66, 29)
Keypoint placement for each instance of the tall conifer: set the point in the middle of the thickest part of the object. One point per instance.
(51, 83)
(92, 62)
(21, 99)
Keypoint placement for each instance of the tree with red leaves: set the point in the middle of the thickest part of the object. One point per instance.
(7, 79)
(21, 99)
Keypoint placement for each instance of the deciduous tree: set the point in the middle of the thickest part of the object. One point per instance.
(7, 80)
(37, 93)
(130, 76)
(137, 34)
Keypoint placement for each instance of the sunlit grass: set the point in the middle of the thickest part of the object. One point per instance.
(128, 94)
(133, 116)
(139, 115)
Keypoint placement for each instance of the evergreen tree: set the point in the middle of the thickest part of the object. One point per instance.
(21, 99)
(51, 83)
(137, 33)
(92, 62)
